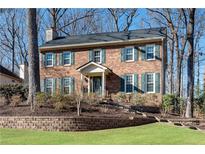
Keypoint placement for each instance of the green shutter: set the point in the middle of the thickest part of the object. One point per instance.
(90, 55)
(143, 53)
(72, 58)
(144, 82)
(157, 51)
(122, 54)
(42, 82)
(135, 54)
(61, 59)
(54, 59)
(122, 84)
(135, 83)
(60, 82)
(157, 82)
(72, 81)
(54, 85)
(42, 60)
(103, 56)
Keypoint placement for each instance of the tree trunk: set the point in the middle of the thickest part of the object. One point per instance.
(78, 108)
(190, 64)
(171, 67)
(54, 19)
(33, 55)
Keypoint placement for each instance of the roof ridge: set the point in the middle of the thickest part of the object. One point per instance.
(154, 28)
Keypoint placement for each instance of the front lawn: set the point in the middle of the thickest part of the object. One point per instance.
(157, 133)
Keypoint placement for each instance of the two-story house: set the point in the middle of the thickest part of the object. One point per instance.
(105, 63)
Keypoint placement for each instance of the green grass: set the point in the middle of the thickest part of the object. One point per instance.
(157, 133)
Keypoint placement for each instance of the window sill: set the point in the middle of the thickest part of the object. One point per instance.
(129, 61)
(66, 65)
(49, 66)
(150, 59)
(151, 92)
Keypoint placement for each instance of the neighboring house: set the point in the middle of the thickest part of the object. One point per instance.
(8, 77)
(105, 63)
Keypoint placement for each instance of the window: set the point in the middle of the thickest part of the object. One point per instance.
(66, 85)
(97, 56)
(129, 83)
(150, 82)
(49, 86)
(49, 59)
(66, 58)
(129, 54)
(150, 52)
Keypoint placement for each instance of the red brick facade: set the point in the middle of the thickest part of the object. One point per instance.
(113, 62)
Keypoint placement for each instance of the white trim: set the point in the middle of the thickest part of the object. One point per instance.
(67, 58)
(150, 45)
(100, 55)
(104, 68)
(46, 59)
(125, 83)
(151, 92)
(52, 79)
(102, 43)
(69, 86)
(133, 52)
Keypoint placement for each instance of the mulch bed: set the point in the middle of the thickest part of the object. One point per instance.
(87, 110)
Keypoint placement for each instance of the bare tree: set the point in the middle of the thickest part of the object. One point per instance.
(34, 77)
(13, 37)
(123, 18)
(175, 23)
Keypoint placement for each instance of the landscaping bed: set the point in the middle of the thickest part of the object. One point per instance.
(95, 110)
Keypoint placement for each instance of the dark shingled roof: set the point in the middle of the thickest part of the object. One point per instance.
(3, 70)
(108, 37)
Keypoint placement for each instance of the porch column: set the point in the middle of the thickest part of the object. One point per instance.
(81, 84)
(88, 85)
(103, 84)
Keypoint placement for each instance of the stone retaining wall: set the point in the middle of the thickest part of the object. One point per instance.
(61, 123)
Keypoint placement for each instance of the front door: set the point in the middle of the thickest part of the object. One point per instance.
(97, 85)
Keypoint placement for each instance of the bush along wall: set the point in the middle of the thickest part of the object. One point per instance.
(9, 90)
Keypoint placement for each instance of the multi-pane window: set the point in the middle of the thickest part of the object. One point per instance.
(49, 59)
(129, 54)
(66, 58)
(97, 56)
(150, 52)
(129, 83)
(150, 82)
(66, 85)
(49, 86)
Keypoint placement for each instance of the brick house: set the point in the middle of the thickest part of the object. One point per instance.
(105, 63)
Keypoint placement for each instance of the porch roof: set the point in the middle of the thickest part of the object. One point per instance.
(92, 67)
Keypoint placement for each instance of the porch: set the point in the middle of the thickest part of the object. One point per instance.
(94, 75)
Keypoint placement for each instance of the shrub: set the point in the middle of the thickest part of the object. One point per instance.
(92, 98)
(15, 100)
(167, 103)
(60, 102)
(120, 97)
(9, 90)
(41, 99)
(138, 99)
(200, 103)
